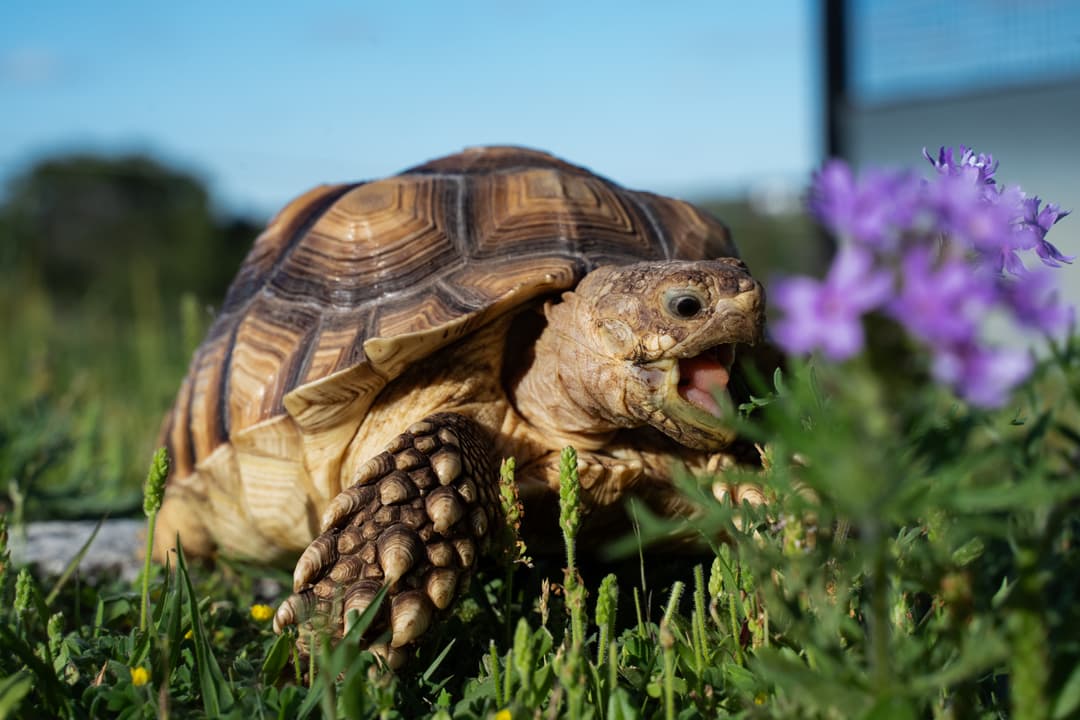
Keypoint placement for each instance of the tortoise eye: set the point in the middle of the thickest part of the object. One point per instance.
(684, 305)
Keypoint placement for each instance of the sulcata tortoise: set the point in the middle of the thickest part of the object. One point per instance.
(384, 344)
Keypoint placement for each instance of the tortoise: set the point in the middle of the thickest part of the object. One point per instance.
(385, 343)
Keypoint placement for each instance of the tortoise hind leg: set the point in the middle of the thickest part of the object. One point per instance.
(182, 515)
(414, 518)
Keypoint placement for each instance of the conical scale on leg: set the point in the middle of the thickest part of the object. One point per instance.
(449, 437)
(359, 597)
(467, 489)
(424, 478)
(466, 550)
(397, 487)
(410, 459)
(410, 616)
(399, 549)
(413, 516)
(373, 468)
(441, 554)
(347, 569)
(393, 657)
(319, 555)
(296, 609)
(326, 589)
(478, 522)
(427, 444)
(444, 507)
(441, 584)
(349, 541)
(386, 515)
(369, 553)
(447, 465)
(423, 427)
(345, 506)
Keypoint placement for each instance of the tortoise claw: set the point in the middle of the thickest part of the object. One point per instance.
(320, 554)
(296, 609)
(346, 505)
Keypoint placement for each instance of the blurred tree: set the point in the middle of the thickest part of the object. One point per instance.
(85, 224)
(772, 243)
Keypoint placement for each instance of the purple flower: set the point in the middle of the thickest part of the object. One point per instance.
(827, 315)
(1038, 222)
(978, 168)
(871, 210)
(1034, 303)
(940, 303)
(940, 256)
(980, 375)
(981, 219)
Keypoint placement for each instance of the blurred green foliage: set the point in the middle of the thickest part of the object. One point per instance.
(110, 268)
(784, 241)
(90, 227)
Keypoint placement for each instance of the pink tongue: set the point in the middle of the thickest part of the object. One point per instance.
(699, 377)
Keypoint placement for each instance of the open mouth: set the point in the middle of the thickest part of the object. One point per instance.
(704, 375)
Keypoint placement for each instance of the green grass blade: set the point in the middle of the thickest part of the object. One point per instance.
(215, 691)
(426, 675)
(358, 625)
(73, 564)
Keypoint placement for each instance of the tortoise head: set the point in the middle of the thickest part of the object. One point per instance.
(656, 341)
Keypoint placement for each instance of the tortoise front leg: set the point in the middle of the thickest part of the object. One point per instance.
(415, 519)
(608, 478)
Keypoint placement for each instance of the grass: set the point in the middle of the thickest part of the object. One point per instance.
(916, 559)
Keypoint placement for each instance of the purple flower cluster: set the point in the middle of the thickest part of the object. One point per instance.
(939, 256)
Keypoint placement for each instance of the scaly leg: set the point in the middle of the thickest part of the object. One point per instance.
(609, 478)
(415, 518)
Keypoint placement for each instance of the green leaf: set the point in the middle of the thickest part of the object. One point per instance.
(890, 707)
(49, 686)
(215, 691)
(313, 698)
(276, 658)
(12, 692)
(358, 624)
(620, 707)
(814, 688)
(169, 624)
(968, 552)
(1068, 700)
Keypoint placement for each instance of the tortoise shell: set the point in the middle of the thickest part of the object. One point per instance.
(350, 283)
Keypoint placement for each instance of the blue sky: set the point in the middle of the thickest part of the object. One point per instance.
(264, 100)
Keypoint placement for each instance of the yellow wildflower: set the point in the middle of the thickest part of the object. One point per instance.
(760, 698)
(139, 676)
(189, 634)
(262, 613)
(504, 715)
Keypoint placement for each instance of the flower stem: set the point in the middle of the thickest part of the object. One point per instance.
(153, 493)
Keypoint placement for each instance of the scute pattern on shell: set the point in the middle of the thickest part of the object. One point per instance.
(424, 560)
(378, 274)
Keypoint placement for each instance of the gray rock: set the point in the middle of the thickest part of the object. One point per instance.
(50, 546)
(117, 551)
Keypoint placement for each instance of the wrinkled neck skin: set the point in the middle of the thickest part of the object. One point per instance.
(569, 390)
